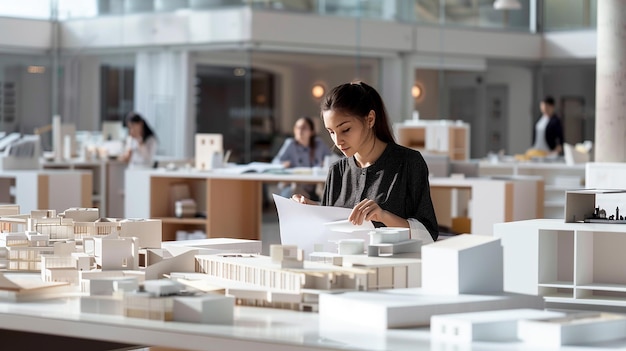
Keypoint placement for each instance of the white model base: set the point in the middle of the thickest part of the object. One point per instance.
(411, 307)
(483, 326)
(206, 309)
(577, 329)
(112, 305)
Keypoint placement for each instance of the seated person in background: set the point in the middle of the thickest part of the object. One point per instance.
(141, 144)
(305, 149)
(380, 180)
(548, 132)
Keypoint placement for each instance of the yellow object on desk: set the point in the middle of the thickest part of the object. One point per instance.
(530, 154)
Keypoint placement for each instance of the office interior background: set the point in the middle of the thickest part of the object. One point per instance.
(249, 68)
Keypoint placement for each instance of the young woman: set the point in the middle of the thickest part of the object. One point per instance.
(380, 180)
(305, 149)
(141, 144)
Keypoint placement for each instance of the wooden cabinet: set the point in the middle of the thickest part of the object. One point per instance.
(436, 137)
(219, 204)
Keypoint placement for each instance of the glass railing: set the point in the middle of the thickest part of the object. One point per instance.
(475, 13)
(554, 14)
(569, 14)
(33, 9)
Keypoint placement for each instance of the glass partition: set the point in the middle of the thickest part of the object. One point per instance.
(569, 14)
(475, 13)
(25, 99)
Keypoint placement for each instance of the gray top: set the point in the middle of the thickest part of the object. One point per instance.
(300, 156)
(397, 181)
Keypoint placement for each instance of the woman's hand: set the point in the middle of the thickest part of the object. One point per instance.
(366, 210)
(303, 199)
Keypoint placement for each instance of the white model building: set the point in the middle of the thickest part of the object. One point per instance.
(166, 300)
(64, 263)
(468, 264)
(498, 326)
(22, 251)
(260, 281)
(389, 241)
(78, 223)
(113, 252)
(415, 306)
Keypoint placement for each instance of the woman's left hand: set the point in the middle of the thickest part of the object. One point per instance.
(366, 210)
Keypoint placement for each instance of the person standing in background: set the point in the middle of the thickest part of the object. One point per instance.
(141, 144)
(548, 131)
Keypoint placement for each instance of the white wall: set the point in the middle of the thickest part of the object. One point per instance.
(519, 81)
(26, 35)
(521, 118)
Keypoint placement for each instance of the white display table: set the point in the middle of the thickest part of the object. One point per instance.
(254, 329)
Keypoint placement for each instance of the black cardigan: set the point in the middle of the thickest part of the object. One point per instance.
(397, 181)
(554, 132)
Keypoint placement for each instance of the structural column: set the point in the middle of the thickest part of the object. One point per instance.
(610, 131)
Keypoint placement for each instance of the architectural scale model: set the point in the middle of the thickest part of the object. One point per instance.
(283, 280)
(446, 267)
(582, 206)
(392, 241)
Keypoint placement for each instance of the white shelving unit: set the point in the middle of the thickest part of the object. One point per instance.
(577, 263)
(440, 137)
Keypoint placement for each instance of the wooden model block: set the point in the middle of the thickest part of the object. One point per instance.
(465, 264)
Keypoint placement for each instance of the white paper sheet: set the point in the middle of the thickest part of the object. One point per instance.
(305, 225)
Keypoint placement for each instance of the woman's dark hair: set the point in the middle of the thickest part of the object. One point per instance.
(358, 99)
(134, 117)
(312, 139)
(548, 100)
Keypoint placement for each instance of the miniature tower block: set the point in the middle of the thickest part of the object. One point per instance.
(465, 264)
(288, 256)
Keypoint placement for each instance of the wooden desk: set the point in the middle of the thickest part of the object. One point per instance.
(233, 202)
(46, 189)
